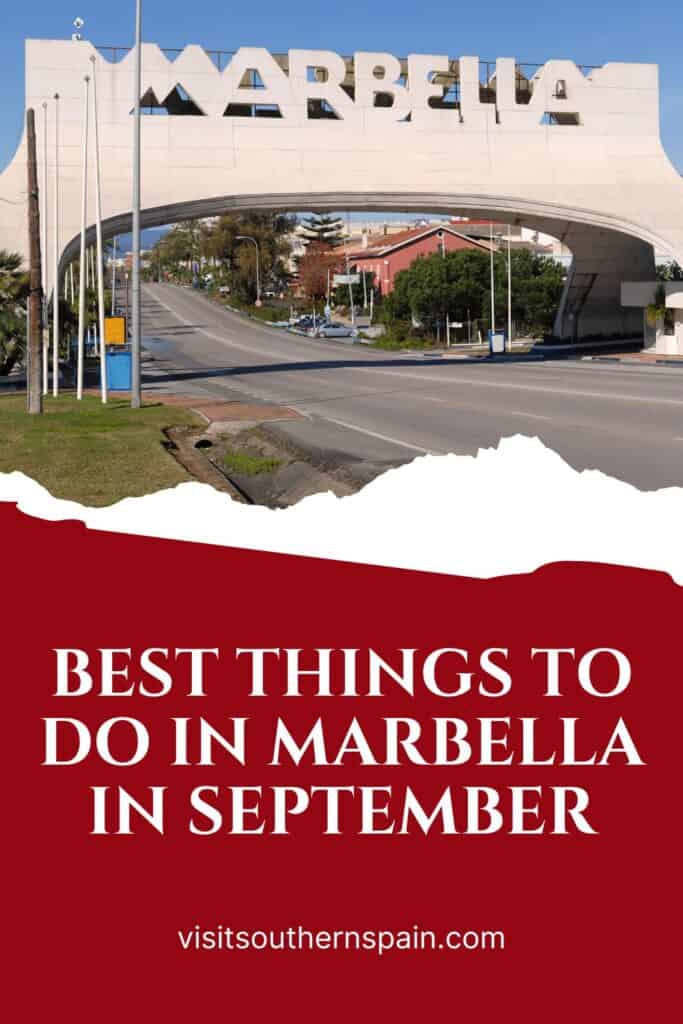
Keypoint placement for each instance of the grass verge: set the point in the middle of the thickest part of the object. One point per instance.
(249, 465)
(91, 453)
(394, 344)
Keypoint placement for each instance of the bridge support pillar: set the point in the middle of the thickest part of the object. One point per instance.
(591, 303)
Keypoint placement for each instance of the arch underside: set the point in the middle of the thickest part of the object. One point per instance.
(606, 250)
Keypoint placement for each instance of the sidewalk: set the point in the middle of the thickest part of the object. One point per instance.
(646, 358)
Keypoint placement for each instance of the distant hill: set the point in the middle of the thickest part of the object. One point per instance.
(149, 238)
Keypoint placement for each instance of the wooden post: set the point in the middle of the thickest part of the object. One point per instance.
(35, 299)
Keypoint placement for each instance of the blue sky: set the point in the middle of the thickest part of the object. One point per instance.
(588, 31)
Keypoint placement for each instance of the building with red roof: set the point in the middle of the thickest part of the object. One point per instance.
(386, 256)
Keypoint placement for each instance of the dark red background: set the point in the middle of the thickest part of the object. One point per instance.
(91, 923)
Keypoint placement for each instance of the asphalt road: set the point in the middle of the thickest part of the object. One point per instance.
(370, 409)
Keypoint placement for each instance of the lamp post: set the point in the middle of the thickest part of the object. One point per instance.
(248, 238)
(135, 387)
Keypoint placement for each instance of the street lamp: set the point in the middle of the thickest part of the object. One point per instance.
(248, 238)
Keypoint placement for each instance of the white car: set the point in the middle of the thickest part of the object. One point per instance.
(335, 330)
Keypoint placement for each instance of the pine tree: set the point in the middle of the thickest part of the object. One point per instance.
(324, 229)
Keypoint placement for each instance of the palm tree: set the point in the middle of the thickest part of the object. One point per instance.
(13, 299)
(657, 310)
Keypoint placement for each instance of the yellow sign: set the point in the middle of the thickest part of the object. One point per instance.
(115, 330)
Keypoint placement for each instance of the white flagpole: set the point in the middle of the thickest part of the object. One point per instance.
(493, 282)
(100, 254)
(56, 255)
(509, 290)
(44, 254)
(84, 252)
(136, 388)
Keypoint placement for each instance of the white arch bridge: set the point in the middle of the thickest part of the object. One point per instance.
(573, 152)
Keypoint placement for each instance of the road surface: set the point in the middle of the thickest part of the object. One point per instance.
(370, 409)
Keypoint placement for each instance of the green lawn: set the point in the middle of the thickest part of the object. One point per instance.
(88, 452)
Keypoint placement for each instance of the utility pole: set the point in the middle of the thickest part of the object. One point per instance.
(35, 300)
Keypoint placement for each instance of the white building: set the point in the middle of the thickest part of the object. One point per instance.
(666, 336)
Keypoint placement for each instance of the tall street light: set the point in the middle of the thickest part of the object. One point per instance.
(248, 238)
(135, 386)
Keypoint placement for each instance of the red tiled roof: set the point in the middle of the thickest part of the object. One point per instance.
(390, 242)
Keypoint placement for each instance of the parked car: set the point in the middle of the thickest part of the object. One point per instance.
(335, 330)
(307, 323)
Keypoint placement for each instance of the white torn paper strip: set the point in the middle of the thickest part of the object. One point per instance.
(510, 509)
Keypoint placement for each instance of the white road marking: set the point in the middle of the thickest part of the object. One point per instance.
(382, 437)
(572, 393)
(528, 415)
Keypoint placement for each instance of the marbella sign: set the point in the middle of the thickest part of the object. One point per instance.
(374, 89)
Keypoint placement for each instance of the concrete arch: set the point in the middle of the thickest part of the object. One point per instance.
(603, 252)
(577, 156)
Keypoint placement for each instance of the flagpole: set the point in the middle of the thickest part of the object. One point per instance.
(84, 252)
(56, 255)
(100, 253)
(44, 253)
(135, 388)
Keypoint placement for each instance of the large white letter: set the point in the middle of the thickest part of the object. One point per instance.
(64, 670)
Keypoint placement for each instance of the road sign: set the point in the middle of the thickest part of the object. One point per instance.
(345, 279)
(115, 330)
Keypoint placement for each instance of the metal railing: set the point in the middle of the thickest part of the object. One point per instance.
(114, 54)
(525, 72)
